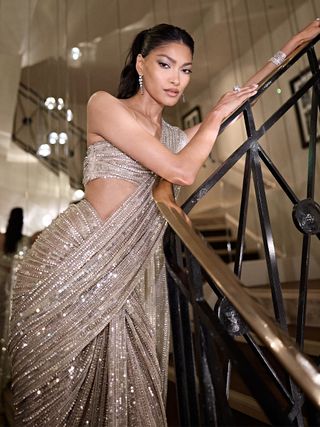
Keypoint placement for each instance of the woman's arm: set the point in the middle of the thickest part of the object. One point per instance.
(305, 35)
(163, 193)
(110, 119)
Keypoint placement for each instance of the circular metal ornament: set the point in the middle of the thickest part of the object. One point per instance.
(230, 318)
(236, 88)
(306, 216)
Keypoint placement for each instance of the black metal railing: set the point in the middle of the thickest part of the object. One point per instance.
(205, 337)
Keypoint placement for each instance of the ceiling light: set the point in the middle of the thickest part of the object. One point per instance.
(50, 103)
(46, 220)
(69, 115)
(44, 150)
(60, 103)
(63, 138)
(77, 195)
(75, 53)
(53, 137)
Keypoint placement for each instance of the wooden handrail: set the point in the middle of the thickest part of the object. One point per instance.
(300, 368)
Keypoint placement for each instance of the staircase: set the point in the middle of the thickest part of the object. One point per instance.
(220, 236)
(235, 358)
(247, 410)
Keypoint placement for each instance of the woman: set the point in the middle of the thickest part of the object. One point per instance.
(89, 340)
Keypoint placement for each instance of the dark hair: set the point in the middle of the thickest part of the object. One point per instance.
(13, 231)
(144, 43)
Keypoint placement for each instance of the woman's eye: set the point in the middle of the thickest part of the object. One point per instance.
(187, 71)
(163, 65)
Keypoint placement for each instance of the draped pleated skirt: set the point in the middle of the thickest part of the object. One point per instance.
(90, 327)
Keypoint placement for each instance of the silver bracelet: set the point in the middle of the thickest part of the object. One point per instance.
(278, 58)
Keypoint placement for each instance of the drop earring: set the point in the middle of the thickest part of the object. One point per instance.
(141, 84)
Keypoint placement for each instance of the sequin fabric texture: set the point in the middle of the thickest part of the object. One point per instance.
(9, 264)
(90, 325)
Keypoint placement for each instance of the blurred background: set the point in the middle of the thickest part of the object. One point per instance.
(55, 53)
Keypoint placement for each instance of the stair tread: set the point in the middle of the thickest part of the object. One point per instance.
(227, 239)
(208, 220)
(237, 383)
(311, 333)
(205, 227)
(311, 339)
(312, 284)
(289, 294)
(225, 251)
(246, 404)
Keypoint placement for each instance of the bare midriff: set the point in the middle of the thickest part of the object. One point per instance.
(107, 194)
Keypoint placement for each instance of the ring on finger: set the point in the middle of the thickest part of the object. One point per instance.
(236, 88)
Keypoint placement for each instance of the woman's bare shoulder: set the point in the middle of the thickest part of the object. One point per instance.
(106, 115)
(101, 99)
(103, 104)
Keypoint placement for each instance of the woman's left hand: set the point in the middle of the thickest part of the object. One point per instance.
(162, 192)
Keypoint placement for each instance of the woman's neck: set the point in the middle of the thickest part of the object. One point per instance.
(146, 106)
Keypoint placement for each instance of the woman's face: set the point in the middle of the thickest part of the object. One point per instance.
(166, 72)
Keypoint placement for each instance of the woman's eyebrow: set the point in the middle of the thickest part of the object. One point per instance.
(173, 60)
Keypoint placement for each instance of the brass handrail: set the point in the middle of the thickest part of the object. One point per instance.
(300, 368)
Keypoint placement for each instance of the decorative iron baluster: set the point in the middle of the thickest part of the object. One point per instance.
(213, 332)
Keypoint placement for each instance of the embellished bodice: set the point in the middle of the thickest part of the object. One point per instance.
(104, 160)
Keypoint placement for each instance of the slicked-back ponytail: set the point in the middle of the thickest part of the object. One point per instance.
(129, 77)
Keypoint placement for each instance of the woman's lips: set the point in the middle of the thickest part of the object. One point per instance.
(172, 92)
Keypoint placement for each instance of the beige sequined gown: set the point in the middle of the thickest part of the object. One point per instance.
(9, 264)
(90, 325)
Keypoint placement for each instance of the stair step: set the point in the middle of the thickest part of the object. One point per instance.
(311, 342)
(247, 256)
(290, 298)
(240, 391)
(287, 293)
(312, 284)
(239, 401)
(225, 251)
(223, 244)
(226, 239)
(246, 404)
(209, 221)
(214, 230)
(310, 333)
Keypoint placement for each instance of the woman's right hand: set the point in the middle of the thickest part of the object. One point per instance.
(309, 32)
(230, 101)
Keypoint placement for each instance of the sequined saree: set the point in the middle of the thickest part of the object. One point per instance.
(90, 325)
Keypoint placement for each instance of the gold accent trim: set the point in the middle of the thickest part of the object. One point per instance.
(301, 369)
